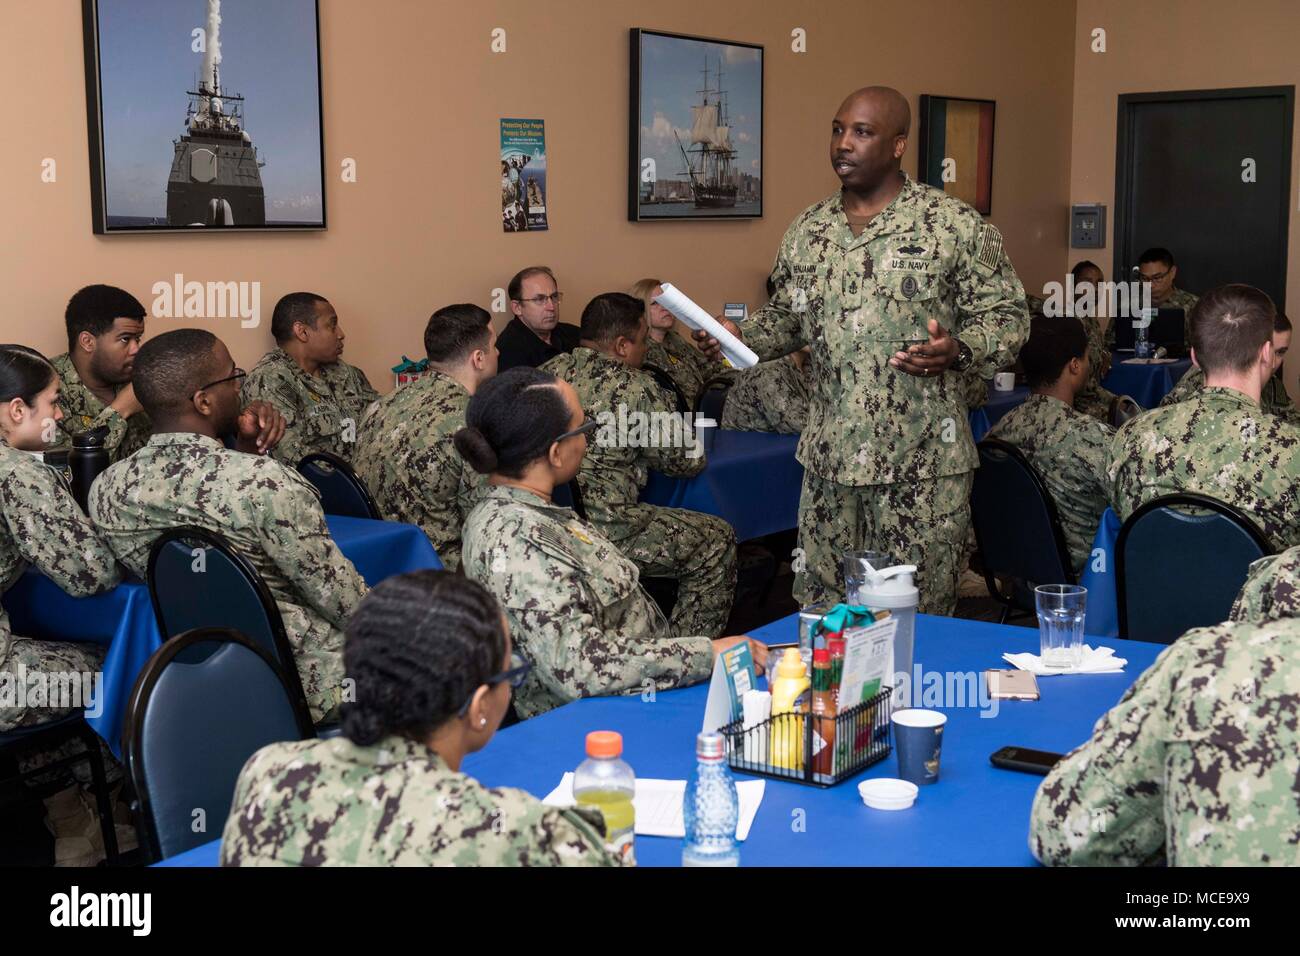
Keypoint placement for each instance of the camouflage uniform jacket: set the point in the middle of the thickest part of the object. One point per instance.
(395, 803)
(575, 605)
(1178, 299)
(682, 362)
(770, 397)
(83, 411)
(41, 524)
(322, 412)
(1068, 450)
(1197, 762)
(1272, 589)
(267, 513)
(858, 300)
(406, 458)
(618, 460)
(1273, 397)
(1219, 444)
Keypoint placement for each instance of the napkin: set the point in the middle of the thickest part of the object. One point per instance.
(1102, 660)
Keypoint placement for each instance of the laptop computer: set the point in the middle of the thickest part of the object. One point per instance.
(1166, 330)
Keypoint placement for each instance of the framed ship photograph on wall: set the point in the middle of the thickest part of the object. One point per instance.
(956, 148)
(204, 114)
(695, 129)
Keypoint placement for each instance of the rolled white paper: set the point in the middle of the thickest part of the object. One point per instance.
(757, 707)
(680, 305)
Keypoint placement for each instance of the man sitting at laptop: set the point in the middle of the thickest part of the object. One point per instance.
(1156, 266)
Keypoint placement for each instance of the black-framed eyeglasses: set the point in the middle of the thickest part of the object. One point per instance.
(541, 300)
(239, 373)
(588, 426)
(519, 669)
(1155, 278)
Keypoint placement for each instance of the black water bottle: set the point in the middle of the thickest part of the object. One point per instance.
(87, 459)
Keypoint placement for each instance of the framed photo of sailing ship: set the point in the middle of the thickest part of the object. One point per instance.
(695, 130)
(204, 114)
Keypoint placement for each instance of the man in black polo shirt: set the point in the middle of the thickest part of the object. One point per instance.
(536, 333)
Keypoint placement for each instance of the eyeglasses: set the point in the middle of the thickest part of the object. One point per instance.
(519, 669)
(588, 426)
(1155, 278)
(239, 373)
(541, 300)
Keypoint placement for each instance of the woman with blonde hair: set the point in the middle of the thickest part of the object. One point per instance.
(670, 351)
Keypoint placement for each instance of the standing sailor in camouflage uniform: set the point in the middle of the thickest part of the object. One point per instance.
(321, 397)
(1274, 397)
(1272, 589)
(189, 385)
(1219, 443)
(404, 452)
(770, 397)
(893, 284)
(575, 604)
(1156, 266)
(640, 429)
(671, 355)
(431, 659)
(105, 325)
(1195, 766)
(1067, 448)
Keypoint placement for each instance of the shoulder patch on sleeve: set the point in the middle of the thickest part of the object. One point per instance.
(990, 248)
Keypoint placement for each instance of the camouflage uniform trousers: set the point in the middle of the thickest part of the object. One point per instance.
(695, 549)
(52, 657)
(923, 522)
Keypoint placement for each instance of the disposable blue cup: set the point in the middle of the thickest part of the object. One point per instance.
(918, 738)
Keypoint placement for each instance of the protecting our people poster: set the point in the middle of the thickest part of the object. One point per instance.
(523, 175)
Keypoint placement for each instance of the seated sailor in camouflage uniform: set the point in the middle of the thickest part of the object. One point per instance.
(321, 397)
(1092, 399)
(1272, 589)
(1219, 443)
(1066, 447)
(1156, 266)
(771, 397)
(671, 354)
(270, 514)
(1273, 398)
(1195, 766)
(404, 451)
(105, 325)
(431, 656)
(640, 429)
(575, 604)
(41, 525)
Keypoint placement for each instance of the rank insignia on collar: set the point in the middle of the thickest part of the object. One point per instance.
(579, 534)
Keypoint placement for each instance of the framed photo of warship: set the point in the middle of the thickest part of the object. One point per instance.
(204, 114)
(956, 148)
(695, 130)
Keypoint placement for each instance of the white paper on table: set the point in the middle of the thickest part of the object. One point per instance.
(679, 304)
(1102, 660)
(658, 805)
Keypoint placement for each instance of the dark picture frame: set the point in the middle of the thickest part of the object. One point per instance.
(710, 165)
(961, 129)
(215, 183)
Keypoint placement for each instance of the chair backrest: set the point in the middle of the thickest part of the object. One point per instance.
(711, 401)
(1017, 528)
(341, 491)
(1176, 569)
(569, 495)
(666, 382)
(203, 704)
(196, 579)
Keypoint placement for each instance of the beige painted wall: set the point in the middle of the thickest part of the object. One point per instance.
(1177, 45)
(413, 93)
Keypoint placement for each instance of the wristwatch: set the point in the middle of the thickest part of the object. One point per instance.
(964, 357)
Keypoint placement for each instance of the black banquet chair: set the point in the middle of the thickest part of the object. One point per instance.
(203, 704)
(1179, 562)
(341, 491)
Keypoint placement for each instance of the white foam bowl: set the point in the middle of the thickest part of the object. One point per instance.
(888, 793)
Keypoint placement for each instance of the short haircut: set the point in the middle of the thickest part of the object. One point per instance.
(417, 647)
(511, 421)
(455, 331)
(294, 307)
(610, 315)
(1081, 265)
(1157, 254)
(1281, 323)
(1229, 325)
(1052, 343)
(170, 368)
(24, 373)
(516, 287)
(94, 308)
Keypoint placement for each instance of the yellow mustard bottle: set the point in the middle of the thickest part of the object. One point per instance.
(790, 685)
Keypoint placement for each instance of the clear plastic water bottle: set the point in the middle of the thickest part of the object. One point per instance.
(711, 808)
(1141, 335)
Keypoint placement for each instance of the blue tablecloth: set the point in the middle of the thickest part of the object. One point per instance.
(1099, 578)
(752, 481)
(1147, 384)
(990, 413)
(122, 619)
(976, 815)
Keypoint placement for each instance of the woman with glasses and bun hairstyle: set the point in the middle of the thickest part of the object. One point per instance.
(574, 601)
(42, 525)
(430, 655)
